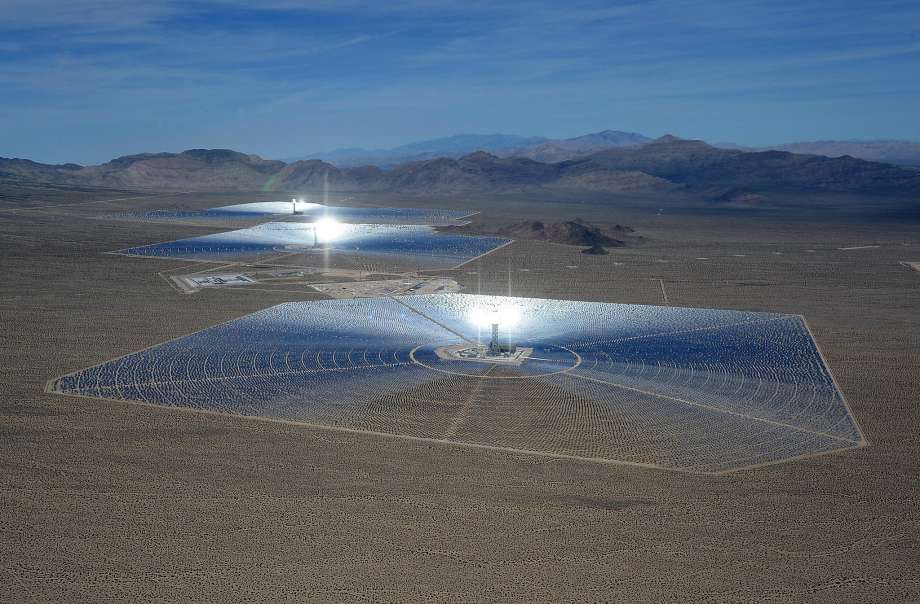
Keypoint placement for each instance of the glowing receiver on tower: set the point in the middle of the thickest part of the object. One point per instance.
(494, 318)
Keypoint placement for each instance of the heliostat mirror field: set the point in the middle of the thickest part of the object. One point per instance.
(309, 212)
(696, 390)
(413, 244)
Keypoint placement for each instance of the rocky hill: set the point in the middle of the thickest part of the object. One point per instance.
(196, 169)
(572, 232)
(26, 170)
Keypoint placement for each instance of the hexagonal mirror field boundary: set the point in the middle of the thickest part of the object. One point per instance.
(695, 390)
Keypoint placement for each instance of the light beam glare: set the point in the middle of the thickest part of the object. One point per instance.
(506, 315)
(328, 230)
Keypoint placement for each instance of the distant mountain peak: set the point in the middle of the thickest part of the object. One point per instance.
(537, 148)
(479, 156)
(220, 155)
(618, 135)
(683, 144)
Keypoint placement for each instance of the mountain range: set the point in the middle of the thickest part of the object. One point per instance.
(900, 152)
(504, 145)
(667, 163)
(904, 153)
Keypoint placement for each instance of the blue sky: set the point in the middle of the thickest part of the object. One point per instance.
(89, 80)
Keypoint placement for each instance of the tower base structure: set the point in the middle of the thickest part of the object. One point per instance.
(483, 354)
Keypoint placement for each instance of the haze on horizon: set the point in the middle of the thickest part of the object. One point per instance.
(88, 80)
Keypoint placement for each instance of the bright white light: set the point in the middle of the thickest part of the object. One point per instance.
(328, 230)
(505, 315)
(300, 204)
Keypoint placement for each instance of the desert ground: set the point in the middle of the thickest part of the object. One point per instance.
(107, 500)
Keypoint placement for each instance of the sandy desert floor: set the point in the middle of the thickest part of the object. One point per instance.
(105, 500)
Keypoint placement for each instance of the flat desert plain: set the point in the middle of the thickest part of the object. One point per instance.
(112, 500)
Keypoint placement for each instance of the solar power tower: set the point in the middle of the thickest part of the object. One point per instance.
(497, 347)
